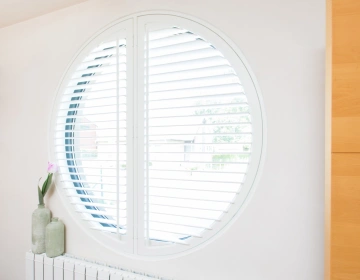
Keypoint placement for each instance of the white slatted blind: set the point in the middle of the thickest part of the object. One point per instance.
(91, 136)
(158, 135)
(198, 135)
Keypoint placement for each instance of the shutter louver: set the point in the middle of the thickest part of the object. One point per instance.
(91, 138)
(198, 135)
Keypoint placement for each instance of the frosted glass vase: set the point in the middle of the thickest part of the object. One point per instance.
(40, 219)
(55, 238)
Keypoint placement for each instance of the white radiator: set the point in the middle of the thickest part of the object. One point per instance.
(40, 267)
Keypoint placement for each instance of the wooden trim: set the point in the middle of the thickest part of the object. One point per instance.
(328, 110)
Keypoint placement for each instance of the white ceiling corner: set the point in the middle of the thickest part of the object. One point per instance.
(15, 11)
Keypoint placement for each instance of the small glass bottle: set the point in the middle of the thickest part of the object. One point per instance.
(55, 238)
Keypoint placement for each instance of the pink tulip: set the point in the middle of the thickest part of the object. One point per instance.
(52, 167)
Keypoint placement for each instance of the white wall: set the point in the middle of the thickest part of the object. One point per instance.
(280, 234)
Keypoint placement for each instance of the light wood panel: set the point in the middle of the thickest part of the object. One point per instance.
(346, 87)
(342, 260)
(346, 266)
(345, 216)
(346, 134)
(345, 75)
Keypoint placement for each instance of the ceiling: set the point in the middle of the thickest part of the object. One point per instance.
(14, 11)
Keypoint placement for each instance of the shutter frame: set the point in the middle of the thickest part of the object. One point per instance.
(232, 53)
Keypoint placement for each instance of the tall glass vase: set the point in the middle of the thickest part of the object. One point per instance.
(40, 219)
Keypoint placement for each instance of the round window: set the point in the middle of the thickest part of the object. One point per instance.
(158, 132)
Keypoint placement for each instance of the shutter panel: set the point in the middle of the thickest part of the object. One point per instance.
(197, 140)
(91, 136)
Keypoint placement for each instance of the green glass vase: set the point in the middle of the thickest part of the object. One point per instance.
(55, 238)
(40, 219)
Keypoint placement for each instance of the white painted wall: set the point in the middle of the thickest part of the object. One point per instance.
(280, 234)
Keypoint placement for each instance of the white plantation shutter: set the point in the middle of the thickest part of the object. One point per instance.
(197, 136)
(91, 137)
(158, 135)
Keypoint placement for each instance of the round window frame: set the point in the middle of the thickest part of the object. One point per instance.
(124, 247)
